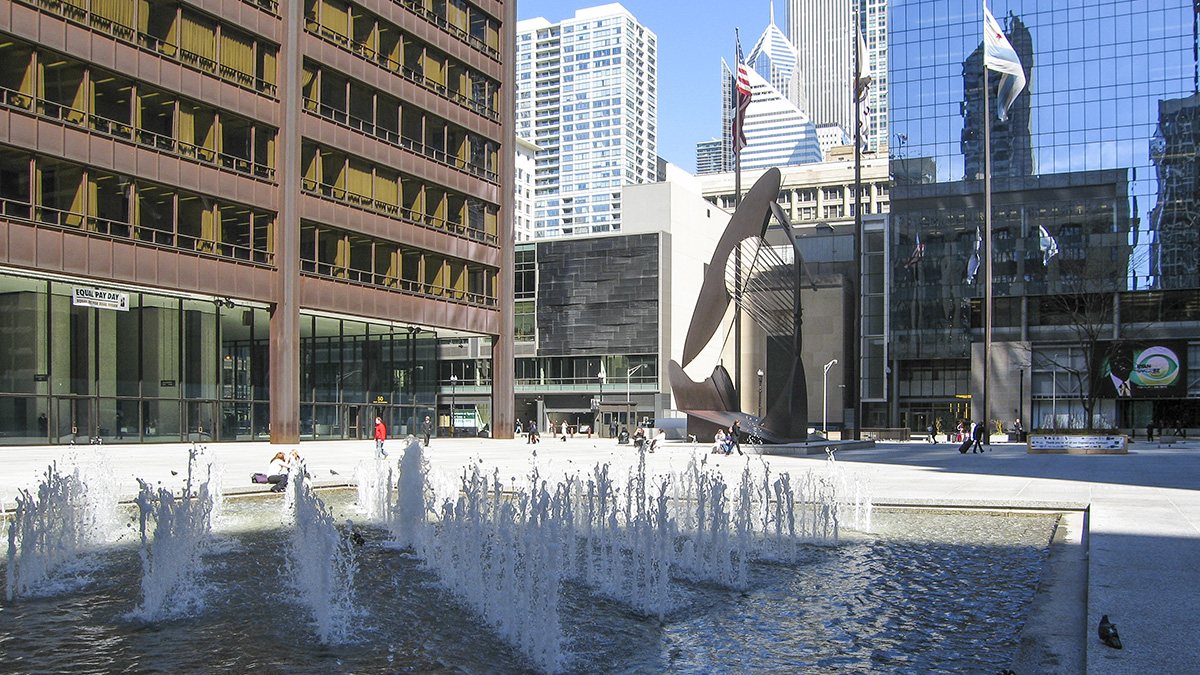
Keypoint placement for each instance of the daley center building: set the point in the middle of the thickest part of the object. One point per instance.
(250, 219)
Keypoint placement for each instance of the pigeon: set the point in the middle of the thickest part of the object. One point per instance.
(174, 473)
(357, 538)
(1108, 633)
(334, 472)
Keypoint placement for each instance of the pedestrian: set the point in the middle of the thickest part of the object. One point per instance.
(1019, 430)
(533, 432)
(932, 438)
(1150, 430)
(977, 431)
(735, 440)
(277, 472)
(427, 429)
(564, 430)
(1179, 429)
(380, 437)
(518, 430)
(659, 439)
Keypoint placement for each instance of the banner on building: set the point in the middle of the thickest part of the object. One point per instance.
(98, 297)
(1152, 369)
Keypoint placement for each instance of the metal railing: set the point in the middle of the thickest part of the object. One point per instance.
(46, 109)
(344, 119)
(370, 54)
(370, 279)
(108, 228)
(102, 24)
(406, 214)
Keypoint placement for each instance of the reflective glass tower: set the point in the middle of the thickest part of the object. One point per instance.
(1099, 151)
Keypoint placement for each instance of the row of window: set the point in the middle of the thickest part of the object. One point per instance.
(335, 175)
(67, 195)
(384, 43)
(63, 89)
(179, 33)
(462, 20)
(341, 254)
(350, 103)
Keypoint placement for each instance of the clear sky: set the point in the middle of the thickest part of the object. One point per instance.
(693, 36)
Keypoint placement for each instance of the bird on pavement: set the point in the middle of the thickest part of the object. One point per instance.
(334, 472)
(1108, 633)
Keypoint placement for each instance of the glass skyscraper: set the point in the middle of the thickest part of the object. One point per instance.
(1099, 152)
(587, 95)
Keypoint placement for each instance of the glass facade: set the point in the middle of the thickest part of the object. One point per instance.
(158, 368)
(1098, 153)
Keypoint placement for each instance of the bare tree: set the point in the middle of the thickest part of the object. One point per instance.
(1085, 310)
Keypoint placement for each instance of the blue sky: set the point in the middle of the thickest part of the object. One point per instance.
(692, 39)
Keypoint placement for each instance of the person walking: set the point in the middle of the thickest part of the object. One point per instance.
(931, 437)
(427, 429)
(735, 433)
(533, 432)
(1150, 430)
(380, 437)
(977, 432)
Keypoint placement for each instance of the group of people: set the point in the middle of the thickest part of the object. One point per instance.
(279, 469)
(728, 440)
(1162, 427)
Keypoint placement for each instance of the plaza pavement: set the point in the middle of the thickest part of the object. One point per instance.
(1131, 547)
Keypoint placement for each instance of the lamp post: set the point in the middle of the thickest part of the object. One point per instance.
(825, 396)
(760, 377)
(629, 381)
(453, 391)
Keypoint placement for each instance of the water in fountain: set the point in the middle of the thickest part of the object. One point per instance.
(321, 563)
(374, 479)
(504, 550)
(175, 532)
(71, 514)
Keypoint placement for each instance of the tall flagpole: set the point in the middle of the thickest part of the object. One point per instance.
(855, 361)
(737, 200)
(987, 243)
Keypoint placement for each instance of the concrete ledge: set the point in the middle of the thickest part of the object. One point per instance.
(813, 448)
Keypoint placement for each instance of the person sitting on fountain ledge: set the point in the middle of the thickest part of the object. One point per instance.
(277, 474)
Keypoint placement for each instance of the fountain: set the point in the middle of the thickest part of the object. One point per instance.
(71, 514)
(606, 569)
(321, 563)
(174, 534)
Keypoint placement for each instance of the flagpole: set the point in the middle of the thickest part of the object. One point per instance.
(856, 281)
(987, 243)
(737, 253)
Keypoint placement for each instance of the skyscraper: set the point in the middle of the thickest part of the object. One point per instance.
(587, 95)
(709, 157)
(775, 59)
(777, 132)
(822, 31)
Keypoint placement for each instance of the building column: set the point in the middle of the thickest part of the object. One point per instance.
(503, 349)
(285, 308)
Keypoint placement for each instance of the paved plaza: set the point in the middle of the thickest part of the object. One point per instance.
(1137, 560)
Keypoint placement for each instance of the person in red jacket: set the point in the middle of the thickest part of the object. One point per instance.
(380, 436)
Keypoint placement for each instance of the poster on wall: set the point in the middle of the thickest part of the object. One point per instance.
(1152, 369)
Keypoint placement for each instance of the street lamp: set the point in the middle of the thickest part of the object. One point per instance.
(825, 396)
(453, 391)
(760, 377)
(629, 380)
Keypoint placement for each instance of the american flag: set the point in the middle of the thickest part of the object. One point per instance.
(917, 254)
(741, 94)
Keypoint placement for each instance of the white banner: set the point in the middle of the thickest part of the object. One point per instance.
(98, 297)
(1078, 442)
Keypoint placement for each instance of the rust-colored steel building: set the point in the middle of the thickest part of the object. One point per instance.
(247, 219)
